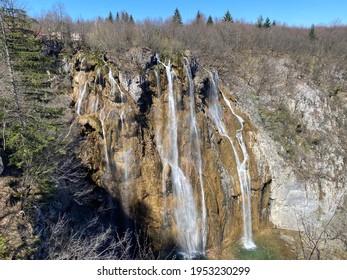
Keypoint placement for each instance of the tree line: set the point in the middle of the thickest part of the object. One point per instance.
(32, 120)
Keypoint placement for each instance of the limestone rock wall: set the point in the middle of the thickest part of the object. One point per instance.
(123, 113)
(302, 138)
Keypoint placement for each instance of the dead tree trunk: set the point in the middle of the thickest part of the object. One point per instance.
(13, 86)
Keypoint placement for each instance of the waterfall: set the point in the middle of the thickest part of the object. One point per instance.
(186, 215)
(194, 147)
(94, 107)
(215, 112)
(102, 118)
(115, 85)
(127, 161)
(80, 98)
(159, 144)
(112, 81)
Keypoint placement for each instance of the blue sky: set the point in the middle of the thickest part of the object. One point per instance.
(292, 12)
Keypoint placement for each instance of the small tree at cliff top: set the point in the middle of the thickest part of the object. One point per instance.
(267, 23)
(227, 17)
(131, 20)
(198, 17)
(209, 20)
(260, 21)
(177, 19)
(110, 17)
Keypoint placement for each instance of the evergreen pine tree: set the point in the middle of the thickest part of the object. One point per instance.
(177, 19)
(117, 17)
(274, 23)
(30, 134)
(131, 19)
(227, 17)
(209, 20)
(267, 23)
(124, 17)
(198, 17)
(260, 21)
(110, 17)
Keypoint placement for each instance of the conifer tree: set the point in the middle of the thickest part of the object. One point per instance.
(227, 17)
(30, 133)
(177, 19)
(131, 20)
(110, 17)
(260, 21)
(198, 17)
(209, 20)
(117, 17)
(267, 23)
(124, 17)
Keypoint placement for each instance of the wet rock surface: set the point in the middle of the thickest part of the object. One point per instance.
(294, 137)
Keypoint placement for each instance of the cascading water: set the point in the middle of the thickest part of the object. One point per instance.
(102, 117)
(80, 98)
(115, 85)
(126, 159)
(95, 105)
(186, 215)
(245, 182)
(215, 112)
(159, 144)
(194, 148)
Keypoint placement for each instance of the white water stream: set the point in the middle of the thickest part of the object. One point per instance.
(194, 147)
(186, 214)
(103, 117)
(80, 98)
(215, 112)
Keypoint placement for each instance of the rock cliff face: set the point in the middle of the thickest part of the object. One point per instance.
(192, 162)
(307, 156)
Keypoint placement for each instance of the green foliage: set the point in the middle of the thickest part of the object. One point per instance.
(198, 17)
(227, 17)
(315, 141)
(312, 34)
(110, 17)
(30, 143)
(124, 16)
(177, 19)
(260, 21)
(209, 21)
(284, 127)
(334, 92)
(267, 23)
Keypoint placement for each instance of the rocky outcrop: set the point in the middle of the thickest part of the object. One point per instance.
(293, 134)
(302, 138)
(126, 121)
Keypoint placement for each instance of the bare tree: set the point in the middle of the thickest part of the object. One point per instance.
(314, 240)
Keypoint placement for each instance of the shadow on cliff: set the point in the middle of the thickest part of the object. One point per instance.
(81, 220)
